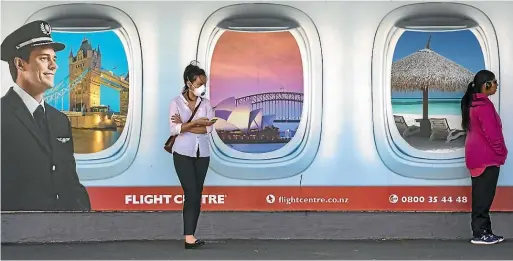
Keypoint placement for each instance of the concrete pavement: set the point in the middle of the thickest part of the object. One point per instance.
(265, 249)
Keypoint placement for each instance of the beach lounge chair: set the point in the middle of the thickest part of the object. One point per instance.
(440, 128)
(403, 128)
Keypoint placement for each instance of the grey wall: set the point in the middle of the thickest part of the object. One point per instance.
(97, 226)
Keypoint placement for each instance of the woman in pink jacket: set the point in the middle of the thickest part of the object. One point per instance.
(485, 152)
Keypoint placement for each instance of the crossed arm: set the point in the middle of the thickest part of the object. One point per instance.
(198, 129)
(198, 126)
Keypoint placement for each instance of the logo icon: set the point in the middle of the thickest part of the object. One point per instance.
(270, 198)
(46, 29)
(393, 198)
(63, 140)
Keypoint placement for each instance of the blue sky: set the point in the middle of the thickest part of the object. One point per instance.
(113, 55)
(461, 47)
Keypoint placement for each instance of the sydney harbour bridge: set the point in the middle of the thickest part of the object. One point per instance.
(275, 107)
(286, 106)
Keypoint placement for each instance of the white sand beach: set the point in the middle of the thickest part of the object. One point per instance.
(438, 145)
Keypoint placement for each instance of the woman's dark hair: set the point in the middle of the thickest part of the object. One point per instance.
(473, 87)
(191, 73)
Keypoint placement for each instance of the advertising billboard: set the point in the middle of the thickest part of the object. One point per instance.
(257, 89)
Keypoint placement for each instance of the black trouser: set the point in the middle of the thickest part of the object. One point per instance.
(483, 193)
(191, 172)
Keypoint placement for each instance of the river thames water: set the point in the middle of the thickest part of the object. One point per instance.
(92, 141)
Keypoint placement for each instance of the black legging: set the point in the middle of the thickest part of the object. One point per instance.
(191, 172)
(483, 193)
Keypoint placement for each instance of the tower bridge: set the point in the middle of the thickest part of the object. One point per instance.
(82, 86)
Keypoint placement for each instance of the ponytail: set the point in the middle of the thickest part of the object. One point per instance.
(474, 87)
(466, 102)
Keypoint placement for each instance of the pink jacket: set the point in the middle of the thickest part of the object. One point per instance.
(485, 144)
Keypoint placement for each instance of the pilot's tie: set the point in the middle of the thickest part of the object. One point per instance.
(40, 117)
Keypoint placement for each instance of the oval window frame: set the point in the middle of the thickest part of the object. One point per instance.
(394, 151)
(300, 153)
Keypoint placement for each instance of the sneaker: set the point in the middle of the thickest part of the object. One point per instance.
(499, 238)
(486, 239)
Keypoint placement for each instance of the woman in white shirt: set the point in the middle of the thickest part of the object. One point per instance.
(191, 152)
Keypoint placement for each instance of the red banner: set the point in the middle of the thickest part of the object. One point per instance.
(454, 199)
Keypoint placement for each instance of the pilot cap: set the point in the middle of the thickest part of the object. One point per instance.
(33, 34)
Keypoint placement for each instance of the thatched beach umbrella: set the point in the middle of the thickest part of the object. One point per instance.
(424, 70)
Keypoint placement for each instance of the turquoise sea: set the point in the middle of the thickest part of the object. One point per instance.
(445, 106)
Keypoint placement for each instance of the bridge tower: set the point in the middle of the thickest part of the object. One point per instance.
(87, 92)
(123, 98)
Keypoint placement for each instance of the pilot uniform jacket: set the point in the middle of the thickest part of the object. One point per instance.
(38, 174)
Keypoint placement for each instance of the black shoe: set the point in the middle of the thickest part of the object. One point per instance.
(196, 244)
(485, 239)
(499, 238)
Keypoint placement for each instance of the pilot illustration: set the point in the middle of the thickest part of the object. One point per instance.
(38, 164)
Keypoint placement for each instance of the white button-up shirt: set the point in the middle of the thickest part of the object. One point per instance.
(187, 143)
(28, 100)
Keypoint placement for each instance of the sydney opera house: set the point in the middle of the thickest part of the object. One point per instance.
(237, 123)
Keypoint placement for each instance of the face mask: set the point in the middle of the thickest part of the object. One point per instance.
(200, 91)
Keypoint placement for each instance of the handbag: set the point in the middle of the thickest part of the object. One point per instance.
(168, 146)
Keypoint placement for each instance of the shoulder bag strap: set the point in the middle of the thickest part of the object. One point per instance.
(195, 110)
